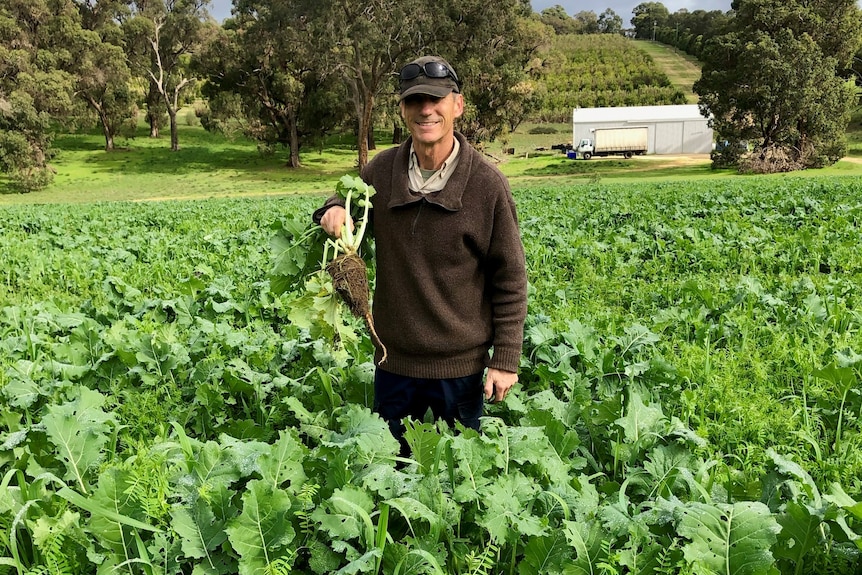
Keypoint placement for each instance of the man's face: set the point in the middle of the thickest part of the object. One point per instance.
(429, 119)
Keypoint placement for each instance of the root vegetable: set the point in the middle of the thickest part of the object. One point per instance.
(350, 281)
(347, 268)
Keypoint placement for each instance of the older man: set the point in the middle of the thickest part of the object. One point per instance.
(451, 289)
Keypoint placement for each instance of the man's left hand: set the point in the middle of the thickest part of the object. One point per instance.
(498, 383)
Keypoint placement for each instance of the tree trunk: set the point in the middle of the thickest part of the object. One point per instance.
(371, 144)
(364, 126)
(153, 99)
(397, 132)
(294, 141)
(175, 139)
(107, 130)
(154, 125)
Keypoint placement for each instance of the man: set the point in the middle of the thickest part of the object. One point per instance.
(451, 280)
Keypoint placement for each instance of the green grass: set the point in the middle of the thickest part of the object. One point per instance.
(206, 166)
(213, 166)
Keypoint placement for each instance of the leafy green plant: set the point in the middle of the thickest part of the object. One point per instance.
(689, 379)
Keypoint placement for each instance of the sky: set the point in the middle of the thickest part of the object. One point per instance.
(623, 8)
(220, 9)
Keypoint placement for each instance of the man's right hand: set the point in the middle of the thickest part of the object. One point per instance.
(333, 220)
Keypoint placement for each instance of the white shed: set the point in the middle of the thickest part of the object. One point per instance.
(672, 129)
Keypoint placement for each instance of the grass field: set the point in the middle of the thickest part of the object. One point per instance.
(212, 166)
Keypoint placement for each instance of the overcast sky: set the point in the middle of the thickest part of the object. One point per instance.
(220, 9)
(624, 8)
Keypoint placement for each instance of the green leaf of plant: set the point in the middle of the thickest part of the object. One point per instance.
(546, 555)
(365, 434)
(296, 249)
(412, 509)
(201, 532)
(95, 508)
(640, 419)
(346, 515)
(473, 460)
(729, 539)
(507, 513)
(800, 532)
(847, 504)
(283, 464)
(839, 497)
(793, 469)
(585, 537)
(79, 430)
(288, 257)
(20, 390)
(365, 563)
(530, 444)
(262, 533)
(211, 469)
(423, 439)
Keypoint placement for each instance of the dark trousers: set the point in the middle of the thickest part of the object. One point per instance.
(456, 399)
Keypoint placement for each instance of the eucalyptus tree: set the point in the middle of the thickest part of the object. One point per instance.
(648, 17)
(587, 22)
(774, 80)
(491, 44)
(103, 81)
(263, 72)
(365, 42)
(103, 78)
(610, 22)
(35, 86)
(162, 35)
(557, 17)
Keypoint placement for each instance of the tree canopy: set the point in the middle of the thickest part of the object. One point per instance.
(777, 74)
(773, 81)
(35, 86)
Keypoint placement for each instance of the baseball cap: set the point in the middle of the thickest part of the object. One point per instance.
(430, 75)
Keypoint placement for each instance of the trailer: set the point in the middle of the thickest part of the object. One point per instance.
(626, 142)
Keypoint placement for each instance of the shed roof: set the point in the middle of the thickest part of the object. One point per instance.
(637, 113)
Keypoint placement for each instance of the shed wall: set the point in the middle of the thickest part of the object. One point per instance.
(672, 129)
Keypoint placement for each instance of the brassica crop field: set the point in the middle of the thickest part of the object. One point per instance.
(690, 397)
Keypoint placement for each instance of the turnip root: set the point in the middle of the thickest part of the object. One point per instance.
(350, 281)
(347, 268)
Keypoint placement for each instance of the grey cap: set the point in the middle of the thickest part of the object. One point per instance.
(422, 84)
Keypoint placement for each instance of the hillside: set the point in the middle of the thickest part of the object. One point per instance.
(599, 70)
(681, 69)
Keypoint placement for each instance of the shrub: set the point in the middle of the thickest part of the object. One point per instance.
(543, 130)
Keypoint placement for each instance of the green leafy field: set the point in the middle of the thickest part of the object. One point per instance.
(690, 396)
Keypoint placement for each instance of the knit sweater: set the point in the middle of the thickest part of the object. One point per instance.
(451, 276)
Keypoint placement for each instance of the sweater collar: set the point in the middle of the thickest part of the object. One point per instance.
(449, 198)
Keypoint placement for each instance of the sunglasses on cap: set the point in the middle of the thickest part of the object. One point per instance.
(430, 69)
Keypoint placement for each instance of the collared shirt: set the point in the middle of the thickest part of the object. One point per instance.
(436, 181)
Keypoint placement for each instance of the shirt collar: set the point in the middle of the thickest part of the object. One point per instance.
(438, 180)
(449, 197)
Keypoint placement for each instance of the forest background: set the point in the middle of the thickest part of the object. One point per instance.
(292, 75)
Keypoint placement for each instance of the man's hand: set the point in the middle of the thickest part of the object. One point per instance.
(498, 383)
(333, 220)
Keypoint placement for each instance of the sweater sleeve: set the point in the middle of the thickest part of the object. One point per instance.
(507, 284)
